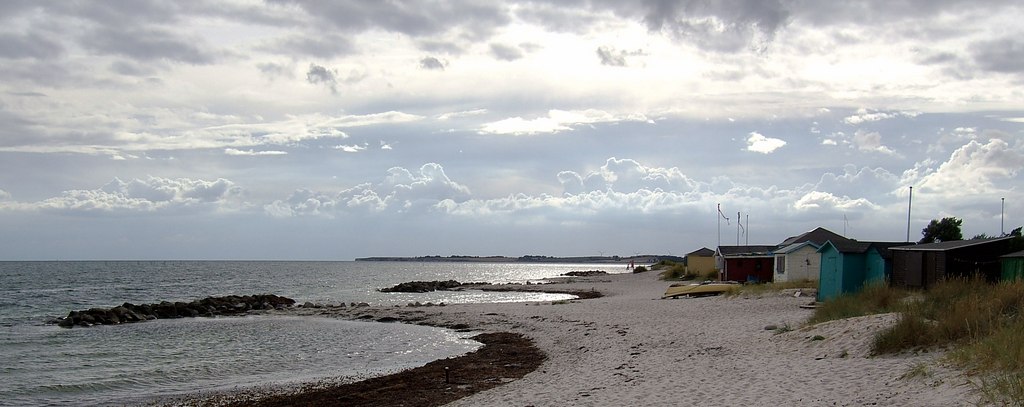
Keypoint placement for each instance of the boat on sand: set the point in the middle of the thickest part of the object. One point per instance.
(699, 289)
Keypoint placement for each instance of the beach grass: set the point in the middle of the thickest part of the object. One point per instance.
(760, 289)
(981, 323)
(873, 299)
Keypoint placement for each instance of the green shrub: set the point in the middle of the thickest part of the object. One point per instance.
(640, 269)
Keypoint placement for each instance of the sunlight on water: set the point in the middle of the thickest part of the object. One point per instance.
(47, 365)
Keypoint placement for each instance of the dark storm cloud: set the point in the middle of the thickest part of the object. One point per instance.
(1004, 55)
(320, 75)
(432, 63)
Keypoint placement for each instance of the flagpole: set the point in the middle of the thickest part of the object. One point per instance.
(738, 225)
(910, 204)
(719, 217)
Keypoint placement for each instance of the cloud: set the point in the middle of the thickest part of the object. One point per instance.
(719, 26)
(31, 45)
(612, 57)
(764, 145)
(471, 19)
(232, 151)
(464, 113)
(974, 169)
(431, 63)
(870, 141)
(320, 75)
(4, 195)
(864, 116)
(506, 52)
(148, 44)
(150, 195)
(556, 121)
(1002, 55)
(627, 175)
(401, 191)
(355, 148)
(318, 46)
(817, 200)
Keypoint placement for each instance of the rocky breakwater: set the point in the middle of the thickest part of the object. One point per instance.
(206, 307)
(425, 286)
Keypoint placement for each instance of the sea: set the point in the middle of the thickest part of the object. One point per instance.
(163, 362)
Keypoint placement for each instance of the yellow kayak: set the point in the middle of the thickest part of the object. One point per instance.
(695, 290)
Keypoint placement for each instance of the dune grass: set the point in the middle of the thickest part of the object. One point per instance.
(981, 323)
(873, 299)
(757, 289)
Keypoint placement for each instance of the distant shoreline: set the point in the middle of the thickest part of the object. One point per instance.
(639, 259)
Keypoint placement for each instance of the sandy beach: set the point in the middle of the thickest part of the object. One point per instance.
(630, 347)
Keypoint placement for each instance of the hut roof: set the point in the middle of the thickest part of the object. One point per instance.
(702, 252)
(819, 236)
(950, 245)
(745, 251)
(1014, 255)
(796, 246)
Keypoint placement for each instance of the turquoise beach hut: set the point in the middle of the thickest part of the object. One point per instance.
(846, 267)
(1013, 266)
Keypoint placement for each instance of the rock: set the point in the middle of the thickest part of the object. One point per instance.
(423, 286)
(585, 273)
(771, 327)
(210, 306)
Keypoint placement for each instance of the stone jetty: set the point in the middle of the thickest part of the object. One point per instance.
(206, 307)
(424, 286)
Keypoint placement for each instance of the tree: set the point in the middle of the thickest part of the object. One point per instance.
(944, 230)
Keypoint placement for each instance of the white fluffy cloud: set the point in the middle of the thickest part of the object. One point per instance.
(870, 141)
(817, 200)
(400, 191)
(149, 195)
(758, 143)
(975, 168)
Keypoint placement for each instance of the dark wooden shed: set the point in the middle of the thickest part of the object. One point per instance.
(746, 263)
(920, 266)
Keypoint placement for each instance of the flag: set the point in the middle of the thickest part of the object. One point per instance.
(722, 214)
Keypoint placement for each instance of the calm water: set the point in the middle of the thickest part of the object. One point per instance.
(137, 363)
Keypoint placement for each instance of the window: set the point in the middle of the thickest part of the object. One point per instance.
(780, 265)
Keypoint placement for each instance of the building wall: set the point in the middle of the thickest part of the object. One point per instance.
(840, 273)
(700, 265)
(798, 265)
(876, 268)
(1013, 269)
(744, 269)
(829, 284)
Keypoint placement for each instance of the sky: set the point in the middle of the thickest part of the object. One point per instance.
(313, 130)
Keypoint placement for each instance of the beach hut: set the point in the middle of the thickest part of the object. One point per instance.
(700, 262)
(920, 266)
(847, 266)
(745, 263)
(1012, 266)
(797, 262)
